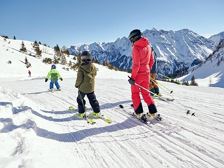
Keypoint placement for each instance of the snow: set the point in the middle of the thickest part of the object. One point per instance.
(210, 73)
(38, 130)
(160, 52)
(173, 48)
(217, 38)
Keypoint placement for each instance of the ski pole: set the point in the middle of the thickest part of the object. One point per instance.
(144, 88)
(180, 104)
(160, 85)
(159, 96)
(177, 101)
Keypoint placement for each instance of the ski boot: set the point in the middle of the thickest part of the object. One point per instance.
(81, 115)
(50, 90)
(94, 115)
(142, 117)
(153, 116)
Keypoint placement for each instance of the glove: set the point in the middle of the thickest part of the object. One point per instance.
(46, 79)
(61, 79)
(131, 81)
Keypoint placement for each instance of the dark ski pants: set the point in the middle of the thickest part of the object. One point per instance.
(92, 100)
(52, 83)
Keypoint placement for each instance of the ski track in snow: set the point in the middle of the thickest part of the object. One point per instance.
(33, 118)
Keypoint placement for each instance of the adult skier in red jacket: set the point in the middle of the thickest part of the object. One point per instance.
(142, 62)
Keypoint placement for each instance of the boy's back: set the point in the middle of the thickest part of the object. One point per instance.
(86, 78)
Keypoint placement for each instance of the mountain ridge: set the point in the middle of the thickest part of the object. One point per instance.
(176, 50)
(210, 72)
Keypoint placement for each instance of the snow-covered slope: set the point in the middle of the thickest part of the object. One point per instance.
(211, 72)
(37, 129)
(9, 51)
(176, 50)
(217, 38)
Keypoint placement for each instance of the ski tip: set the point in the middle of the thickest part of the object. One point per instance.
(70, 108)
(108, 120)
(121, 106)
(158, 118)
(90, 121)
(188, 112)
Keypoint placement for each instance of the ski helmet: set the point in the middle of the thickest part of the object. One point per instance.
(85, 56)
(135, 35)
(53, 66)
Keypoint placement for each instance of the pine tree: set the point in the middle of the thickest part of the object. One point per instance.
(14, 37)
(35, 44)
(23, 48)
(57, 50)
(38, 51)
(70, 63)
(63, 59)
(193, 83)
(64, 50)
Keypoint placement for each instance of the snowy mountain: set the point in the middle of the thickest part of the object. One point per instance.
(217, 38)
(210, 72)
(176, 50)
(37, 129)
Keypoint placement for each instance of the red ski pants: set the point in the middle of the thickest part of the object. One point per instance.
(142, 80)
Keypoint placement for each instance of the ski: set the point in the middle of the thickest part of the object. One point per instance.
(106, 119)
(54, 90)
(51, 90)
(83, 116)
(155, 120)
(91, 119)
(140, 119)
(100, 116)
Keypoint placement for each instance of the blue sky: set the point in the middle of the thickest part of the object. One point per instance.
(69, 22)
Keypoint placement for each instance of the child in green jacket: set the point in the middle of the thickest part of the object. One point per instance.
(85, 82)
(53, 75)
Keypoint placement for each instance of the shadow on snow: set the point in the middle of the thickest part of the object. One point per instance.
(79, 135)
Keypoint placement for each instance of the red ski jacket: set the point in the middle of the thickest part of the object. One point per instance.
(142, 58)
